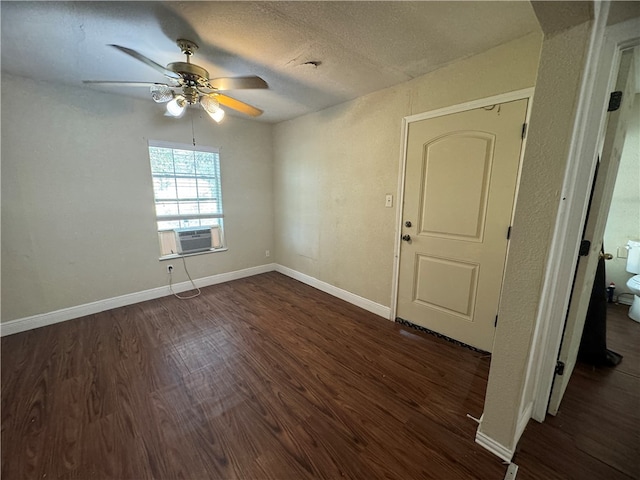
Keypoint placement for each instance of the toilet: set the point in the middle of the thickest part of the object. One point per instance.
(633, 266)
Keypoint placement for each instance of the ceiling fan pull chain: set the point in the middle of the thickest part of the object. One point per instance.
(193, 135)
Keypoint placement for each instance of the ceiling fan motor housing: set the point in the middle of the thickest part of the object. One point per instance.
(193, 76)
(190, 73)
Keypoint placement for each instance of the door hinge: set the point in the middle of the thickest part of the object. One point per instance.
(495, 323)
(559, 368)
(509, 233)
(524, 131)
(615, 99)
(585, 246)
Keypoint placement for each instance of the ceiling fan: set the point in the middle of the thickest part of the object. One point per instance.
(190, 84)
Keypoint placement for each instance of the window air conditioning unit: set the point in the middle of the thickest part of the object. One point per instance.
(193, 239)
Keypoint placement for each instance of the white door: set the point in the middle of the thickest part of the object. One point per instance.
(460, 182)
(594, 231)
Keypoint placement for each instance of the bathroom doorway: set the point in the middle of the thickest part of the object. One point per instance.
(623, 221)
(602, 193)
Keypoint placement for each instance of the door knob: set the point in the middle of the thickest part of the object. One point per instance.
(606, 256)
(406, 238)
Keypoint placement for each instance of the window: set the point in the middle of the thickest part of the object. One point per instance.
(186, 186)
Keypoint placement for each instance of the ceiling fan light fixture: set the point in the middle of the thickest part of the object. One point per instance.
(161, 93)
(177, 106)
(211, 105)
(218, 115)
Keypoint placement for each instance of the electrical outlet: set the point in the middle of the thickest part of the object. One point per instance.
(267, 253)
(169, 269)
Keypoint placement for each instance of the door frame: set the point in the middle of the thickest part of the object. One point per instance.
(589, 129)
(526, 93)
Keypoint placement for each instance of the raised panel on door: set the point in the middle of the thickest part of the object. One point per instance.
(446, 285)
(466, 156)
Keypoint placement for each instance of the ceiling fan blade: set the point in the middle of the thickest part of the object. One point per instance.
(238, 105)
(237, 83)
(116, 83)
(148, 61)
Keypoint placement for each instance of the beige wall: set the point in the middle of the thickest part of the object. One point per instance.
(623, 223)
(333, 169)
(77, 201)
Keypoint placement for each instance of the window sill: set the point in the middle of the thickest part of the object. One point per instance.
(204, 252)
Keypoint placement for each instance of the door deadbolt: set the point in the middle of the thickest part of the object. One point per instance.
(407, 224)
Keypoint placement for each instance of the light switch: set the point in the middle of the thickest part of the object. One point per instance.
(388, 202)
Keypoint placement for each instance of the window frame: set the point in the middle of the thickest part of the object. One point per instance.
(177, 217)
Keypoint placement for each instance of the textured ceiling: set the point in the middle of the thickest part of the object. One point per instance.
(361, 46)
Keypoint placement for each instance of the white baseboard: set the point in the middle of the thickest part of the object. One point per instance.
(352, 298)
(494, 447)
(498, 449)
(44, 319)
(523, 421)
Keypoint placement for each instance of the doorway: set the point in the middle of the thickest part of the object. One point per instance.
(612, 147)
(623, 221)
(459, 179)
(601, 71)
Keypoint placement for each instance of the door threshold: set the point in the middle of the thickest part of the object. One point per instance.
(407, 323)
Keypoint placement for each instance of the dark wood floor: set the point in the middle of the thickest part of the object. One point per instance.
(596, 434)
(268, 378)
(258, 378)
